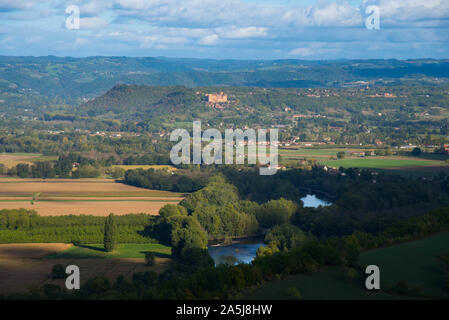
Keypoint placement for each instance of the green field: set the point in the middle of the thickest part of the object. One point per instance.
(416, 262)
(12, 159)
(92, 251)
(145, 167)
(381, 163)
(291, 153)
(325, 284)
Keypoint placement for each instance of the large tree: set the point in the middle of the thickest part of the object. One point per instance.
(186, 233)
(276, 212)
(110, 233)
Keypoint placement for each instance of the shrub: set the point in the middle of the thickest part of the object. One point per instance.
(58, 272)
(294, 293)
(150, 258)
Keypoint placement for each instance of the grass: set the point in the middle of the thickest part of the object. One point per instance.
(415, 262)
(289, 157)
(381, 163)
(96, 251)
(145, 167)
(23, 154)
(308, 152)
(42, 158)
(328, 283)
(319, 153)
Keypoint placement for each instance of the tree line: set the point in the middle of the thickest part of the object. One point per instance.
(24, 226)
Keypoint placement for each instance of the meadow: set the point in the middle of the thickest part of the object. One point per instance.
(423, 165)
(128, 250)
(383, 163)
(292, 153)
(325, 284)
(415, 262)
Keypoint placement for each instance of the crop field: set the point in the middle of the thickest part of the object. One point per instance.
(92, 207)
(12, 159)
(31, 250)
(83, 196)
(145, 167)
(76, 188)
(308, 152)
(415, 262)
(25, 265)
(383, 163)
(427, 164)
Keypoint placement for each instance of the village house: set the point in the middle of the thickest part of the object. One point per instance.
(356, 153)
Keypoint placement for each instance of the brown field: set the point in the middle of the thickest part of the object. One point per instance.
(40, 198)
(31, 250)
(21, 266)
(76, 188)
(12, 159)
(96, 208)
(84, 196)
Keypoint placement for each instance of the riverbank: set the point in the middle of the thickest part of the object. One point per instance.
(221, 243)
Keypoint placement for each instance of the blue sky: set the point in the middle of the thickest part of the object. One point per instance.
(222, 29)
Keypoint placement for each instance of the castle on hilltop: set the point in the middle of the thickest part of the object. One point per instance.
(216, 97)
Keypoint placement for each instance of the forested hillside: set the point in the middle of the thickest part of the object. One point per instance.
(33, 81)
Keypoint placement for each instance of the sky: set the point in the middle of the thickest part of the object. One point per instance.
(227, 29)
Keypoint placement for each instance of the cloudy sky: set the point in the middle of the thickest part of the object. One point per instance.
(237, 29)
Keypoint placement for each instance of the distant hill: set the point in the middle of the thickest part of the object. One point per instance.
(35, 81)
(122, 99)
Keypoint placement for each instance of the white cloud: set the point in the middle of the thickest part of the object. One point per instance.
(93, 23)
(414, 10)
(94, 8)
(316, 50)
(81, 41)
(16, 5)
(334, 14)
(138, 4)
(302, 52)
(209, 40)
(241, 33)
(34, 39)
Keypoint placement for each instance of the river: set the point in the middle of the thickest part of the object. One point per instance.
(311, 201)
(245, 251)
